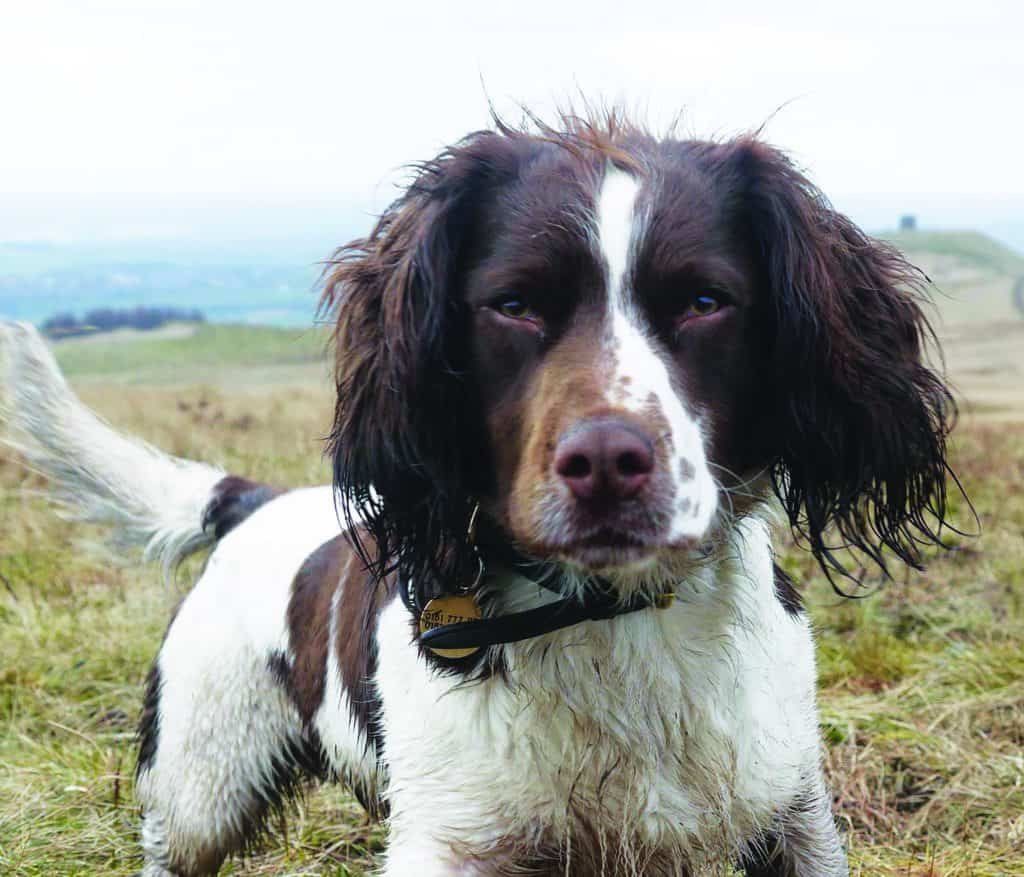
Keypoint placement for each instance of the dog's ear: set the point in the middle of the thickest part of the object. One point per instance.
(407, 437)
(860, 418)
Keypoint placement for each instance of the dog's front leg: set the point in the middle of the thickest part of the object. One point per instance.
(805, 844)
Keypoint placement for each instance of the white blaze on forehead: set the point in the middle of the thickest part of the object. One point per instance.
(640, 375)
(616, 208)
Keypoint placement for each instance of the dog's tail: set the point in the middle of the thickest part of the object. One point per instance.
(168, 506)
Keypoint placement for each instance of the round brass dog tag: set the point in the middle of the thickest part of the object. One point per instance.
(454, 609)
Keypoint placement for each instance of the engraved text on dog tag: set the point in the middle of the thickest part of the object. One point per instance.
(453, 609)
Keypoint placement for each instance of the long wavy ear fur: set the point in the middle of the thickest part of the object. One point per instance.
(862, 419)
(406, 445)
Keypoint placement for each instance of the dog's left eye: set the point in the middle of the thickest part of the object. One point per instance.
(517, 308)
(703, 305)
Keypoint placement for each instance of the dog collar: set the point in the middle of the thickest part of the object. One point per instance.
(451, 625)
(469, 635)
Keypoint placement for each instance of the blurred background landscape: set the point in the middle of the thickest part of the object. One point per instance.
(177, 173)
(195, 297)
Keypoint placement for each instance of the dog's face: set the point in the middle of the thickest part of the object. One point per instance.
(613, 343)
(612, 315)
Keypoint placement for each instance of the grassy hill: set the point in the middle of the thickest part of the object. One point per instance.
(973, 276)
(966, 246)
(208, 353)
(981, 328)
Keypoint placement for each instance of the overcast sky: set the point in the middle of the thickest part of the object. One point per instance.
(111, 110)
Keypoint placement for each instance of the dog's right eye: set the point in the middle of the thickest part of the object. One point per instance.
(515, 308)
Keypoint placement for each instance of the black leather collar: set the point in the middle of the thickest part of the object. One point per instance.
(597, 601)
(517, 626)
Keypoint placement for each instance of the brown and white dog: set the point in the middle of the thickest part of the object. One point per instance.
(579, 371)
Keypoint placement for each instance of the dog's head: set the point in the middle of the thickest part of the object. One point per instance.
(614, 343)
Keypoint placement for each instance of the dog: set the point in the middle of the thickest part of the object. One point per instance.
(536, 622)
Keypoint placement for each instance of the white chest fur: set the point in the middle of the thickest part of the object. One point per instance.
(684, 729)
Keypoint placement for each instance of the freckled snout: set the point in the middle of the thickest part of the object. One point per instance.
(604, 461)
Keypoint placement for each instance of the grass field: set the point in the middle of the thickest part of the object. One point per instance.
(248, 357)
(922, 681)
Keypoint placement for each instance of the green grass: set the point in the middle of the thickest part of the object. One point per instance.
(212, 352)
(922, 687)
(921, 682)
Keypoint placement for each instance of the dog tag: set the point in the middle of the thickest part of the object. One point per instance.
(454, 609)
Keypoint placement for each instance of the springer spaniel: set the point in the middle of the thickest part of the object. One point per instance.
(579, 373)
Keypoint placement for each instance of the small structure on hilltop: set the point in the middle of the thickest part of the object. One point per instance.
(908, 222)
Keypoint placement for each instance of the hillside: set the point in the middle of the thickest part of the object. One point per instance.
(210, 354)
(973, 275)
(980, 326)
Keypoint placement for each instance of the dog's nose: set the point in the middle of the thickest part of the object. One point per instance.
(604, 460)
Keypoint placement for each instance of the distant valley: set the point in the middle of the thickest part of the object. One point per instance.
(274, 282)
(268, 283)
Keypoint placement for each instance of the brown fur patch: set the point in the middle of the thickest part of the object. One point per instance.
(334, 565)
(362, 600)
(362, 597)
(233, 500)
(309, 624)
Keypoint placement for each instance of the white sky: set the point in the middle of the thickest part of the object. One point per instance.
(177, 102)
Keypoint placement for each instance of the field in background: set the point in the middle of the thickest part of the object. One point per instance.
(210, 353)
(975, 313)
(973, 275)
(922, 682)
